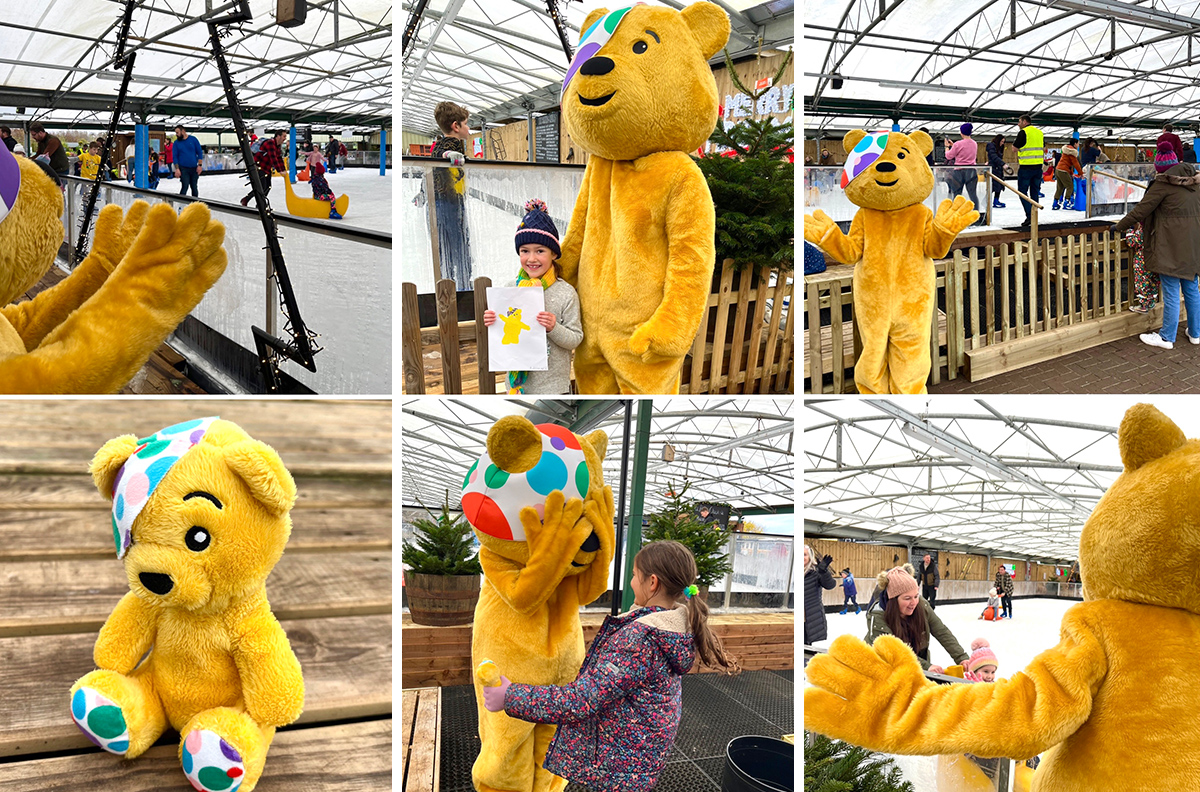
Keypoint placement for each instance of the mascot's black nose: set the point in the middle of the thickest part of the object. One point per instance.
(886, 167)
(156, 582)
(591, 543)
(596, 66)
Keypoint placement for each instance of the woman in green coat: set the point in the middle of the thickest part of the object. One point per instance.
(901, 612)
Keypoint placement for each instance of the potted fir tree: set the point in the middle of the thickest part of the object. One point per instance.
(443, 575)
(708, 542)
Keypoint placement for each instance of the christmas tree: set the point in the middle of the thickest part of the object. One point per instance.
(835, 766)
(444, 546)
(752, 182)
(708, 542)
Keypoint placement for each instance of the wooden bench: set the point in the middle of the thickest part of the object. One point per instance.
(421, 724)
(331, 590)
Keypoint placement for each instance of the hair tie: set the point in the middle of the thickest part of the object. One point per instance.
(691, 591)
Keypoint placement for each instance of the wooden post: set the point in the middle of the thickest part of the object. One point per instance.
(410, 334)
(760, 307)
(718, 352)
(447, 312)
(739, 329)
(487, 379)
(785, 354)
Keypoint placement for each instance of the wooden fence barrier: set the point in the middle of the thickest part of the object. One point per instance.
(743, 345)
(1007, 306)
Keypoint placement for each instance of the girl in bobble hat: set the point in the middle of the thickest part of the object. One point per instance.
(982, 664)
(538, 247)
(617, 720)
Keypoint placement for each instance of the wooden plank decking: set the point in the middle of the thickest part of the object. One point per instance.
(331, 591)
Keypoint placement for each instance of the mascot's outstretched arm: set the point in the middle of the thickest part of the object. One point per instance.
(822, 231)
(552, 544)
(115, 232)
(100, 346)
(878, 698)
(941, 229)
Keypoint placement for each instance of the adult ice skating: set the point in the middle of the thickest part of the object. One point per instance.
(637, 132)
(135, 135)
(1044, 155)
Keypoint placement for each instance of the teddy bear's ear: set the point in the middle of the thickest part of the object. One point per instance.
(598, 440)
(108, 461)
(851, 139)
(1145, 435)
(710, 26)
(514, 444)
(591, 18)
(923, 141)
(263, 472)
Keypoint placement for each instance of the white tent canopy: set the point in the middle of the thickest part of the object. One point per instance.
(334, 71)
(1112, 69)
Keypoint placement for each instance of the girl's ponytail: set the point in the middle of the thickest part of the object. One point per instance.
(708, 645)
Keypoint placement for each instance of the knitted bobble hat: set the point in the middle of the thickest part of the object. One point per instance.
(1164, 158)
(981, 655)
(537, 228)
(899, 582)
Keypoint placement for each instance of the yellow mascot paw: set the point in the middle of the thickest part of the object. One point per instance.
(561, 532)
(488, 674)
(956, 215)
(855, 685)
(818, 226)
(116, 232)
(648, 343)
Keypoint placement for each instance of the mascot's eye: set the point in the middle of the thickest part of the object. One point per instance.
(900, 155)
(640, 46)
(197, 538)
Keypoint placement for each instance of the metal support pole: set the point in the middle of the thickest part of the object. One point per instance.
(637, 496)
(141, 156)
(532, 133)
(619, 548)
(382, 152)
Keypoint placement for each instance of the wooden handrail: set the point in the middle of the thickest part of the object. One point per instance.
(1131, 182)
(1022, 195)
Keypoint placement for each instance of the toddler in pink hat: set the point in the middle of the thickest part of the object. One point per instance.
(982, 664)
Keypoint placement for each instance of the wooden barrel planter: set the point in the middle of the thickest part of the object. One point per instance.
(442, 600)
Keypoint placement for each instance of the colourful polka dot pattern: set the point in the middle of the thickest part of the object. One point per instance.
(145, 470)
(210, 763)
(592, 40)
(492, 502)
(100, 720)
(869, 149)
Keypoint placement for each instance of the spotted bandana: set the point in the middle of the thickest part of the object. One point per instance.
(591, 41)
(145, 469)
(10, 181)
(869, 149)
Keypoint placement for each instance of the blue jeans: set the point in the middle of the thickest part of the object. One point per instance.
(188, 177)
(1171, 287)
(1029, 182)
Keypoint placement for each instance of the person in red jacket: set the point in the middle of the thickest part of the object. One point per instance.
(267, 159)
(168, 159)
(1064, 174)
(1169, 135)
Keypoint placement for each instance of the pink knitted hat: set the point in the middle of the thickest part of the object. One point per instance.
(981, 655)
(900, 582)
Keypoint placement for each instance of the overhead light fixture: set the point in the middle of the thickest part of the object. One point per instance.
(1127, 12)
(920, 86)
(139, 78)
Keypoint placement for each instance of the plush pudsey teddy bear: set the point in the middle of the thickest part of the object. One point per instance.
(544, 554)
(91, 332)
(200, 516)
(893, 239)
(639, 96)
(1119, 684)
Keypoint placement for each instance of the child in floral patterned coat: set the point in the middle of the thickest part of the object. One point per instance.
(618, 719)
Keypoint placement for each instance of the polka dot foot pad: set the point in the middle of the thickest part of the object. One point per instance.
(210, 763)
(100, 720)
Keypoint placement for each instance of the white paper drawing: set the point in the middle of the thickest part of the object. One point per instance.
(516, 342)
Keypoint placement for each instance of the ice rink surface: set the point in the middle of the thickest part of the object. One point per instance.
(370, 194)
(1034, 629)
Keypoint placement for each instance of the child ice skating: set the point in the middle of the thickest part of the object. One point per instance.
(320, 187)
(618, 719)
(992, 611)
(538, 247)
(850, 592)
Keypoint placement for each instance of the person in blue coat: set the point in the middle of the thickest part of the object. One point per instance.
(850, 592)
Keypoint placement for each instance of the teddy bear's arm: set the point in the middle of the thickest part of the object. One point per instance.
(572, 243)
(941, 229)
(127, 635)
(822, 231)
(100, 346)
(877, 697)
(33, 320)
(691, 256)
(272, 684)
(598, 510)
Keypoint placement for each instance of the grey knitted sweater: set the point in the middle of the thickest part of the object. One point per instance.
(563, 302)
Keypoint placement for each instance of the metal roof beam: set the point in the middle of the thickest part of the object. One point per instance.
(451, 12)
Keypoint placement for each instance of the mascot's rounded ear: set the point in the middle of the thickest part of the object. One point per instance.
(1145, 435)
(108, 461)
(262, 470)
(514, 444)
(598, 440)
(590, 19)
(851, 139)
(709, 24)
(923, 141)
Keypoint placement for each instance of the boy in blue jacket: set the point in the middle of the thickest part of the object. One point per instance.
(850, 590)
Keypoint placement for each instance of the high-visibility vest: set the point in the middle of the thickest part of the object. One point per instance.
(1032, 153)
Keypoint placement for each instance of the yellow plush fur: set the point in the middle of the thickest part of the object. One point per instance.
(640, 246)
(90, 333)
(218, 659)
(1113, 705)
(893, 239)
(527, 619)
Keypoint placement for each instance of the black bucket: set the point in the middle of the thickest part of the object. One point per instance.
(759, 764)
